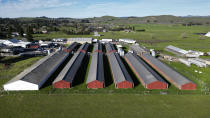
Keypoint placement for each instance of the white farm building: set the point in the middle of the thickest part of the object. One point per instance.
(79, 40)
(207, 34)
(106, 40)
(34, 77)
(17, 83)
(131, 41)
(176, 50)
(14, 42)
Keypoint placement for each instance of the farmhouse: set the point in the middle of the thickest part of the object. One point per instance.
(96, 34)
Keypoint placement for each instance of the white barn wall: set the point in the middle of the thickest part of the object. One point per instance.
(20, 85)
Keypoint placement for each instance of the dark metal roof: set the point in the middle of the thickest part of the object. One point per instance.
(97, 47)
(73, 46)
(100, 72)
(137, 49)
(84, 47)
(96, 71)
(40, 74)
(168, 72)
(70, 70)
(109, 47)
(119, 71)
(14, 40)
(71, 73)
(147, 74)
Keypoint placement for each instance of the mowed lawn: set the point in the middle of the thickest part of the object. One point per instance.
(104, 106)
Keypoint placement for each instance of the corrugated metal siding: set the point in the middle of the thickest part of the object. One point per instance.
(124, 84)
(95, 84)
(171, 75)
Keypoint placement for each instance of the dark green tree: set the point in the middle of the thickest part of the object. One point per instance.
(29, 33)
(21, 32)
(134, 29)
(10, 32)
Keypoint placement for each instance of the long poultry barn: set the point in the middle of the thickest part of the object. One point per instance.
(138, 49)
(120, 75)
(147, 76)
(67, 76)
(168, 73)
(35, 76)
(96, 72)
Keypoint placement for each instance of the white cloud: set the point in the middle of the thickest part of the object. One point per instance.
(33, 4)
(20, 6)
(91, 8)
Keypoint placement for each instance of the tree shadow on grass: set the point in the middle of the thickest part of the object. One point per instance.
(13, 59)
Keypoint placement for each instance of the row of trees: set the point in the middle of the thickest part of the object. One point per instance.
(124, 28)
(28, 31)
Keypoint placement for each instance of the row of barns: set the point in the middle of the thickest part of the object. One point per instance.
(165, 71)
(68, 62)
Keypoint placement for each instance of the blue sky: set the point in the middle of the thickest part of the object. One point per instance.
(96, 8)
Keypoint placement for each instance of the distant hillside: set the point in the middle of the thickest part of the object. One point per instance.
(163, 19)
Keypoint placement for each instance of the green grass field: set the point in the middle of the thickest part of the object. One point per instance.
(110, 102)
(104, 106)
